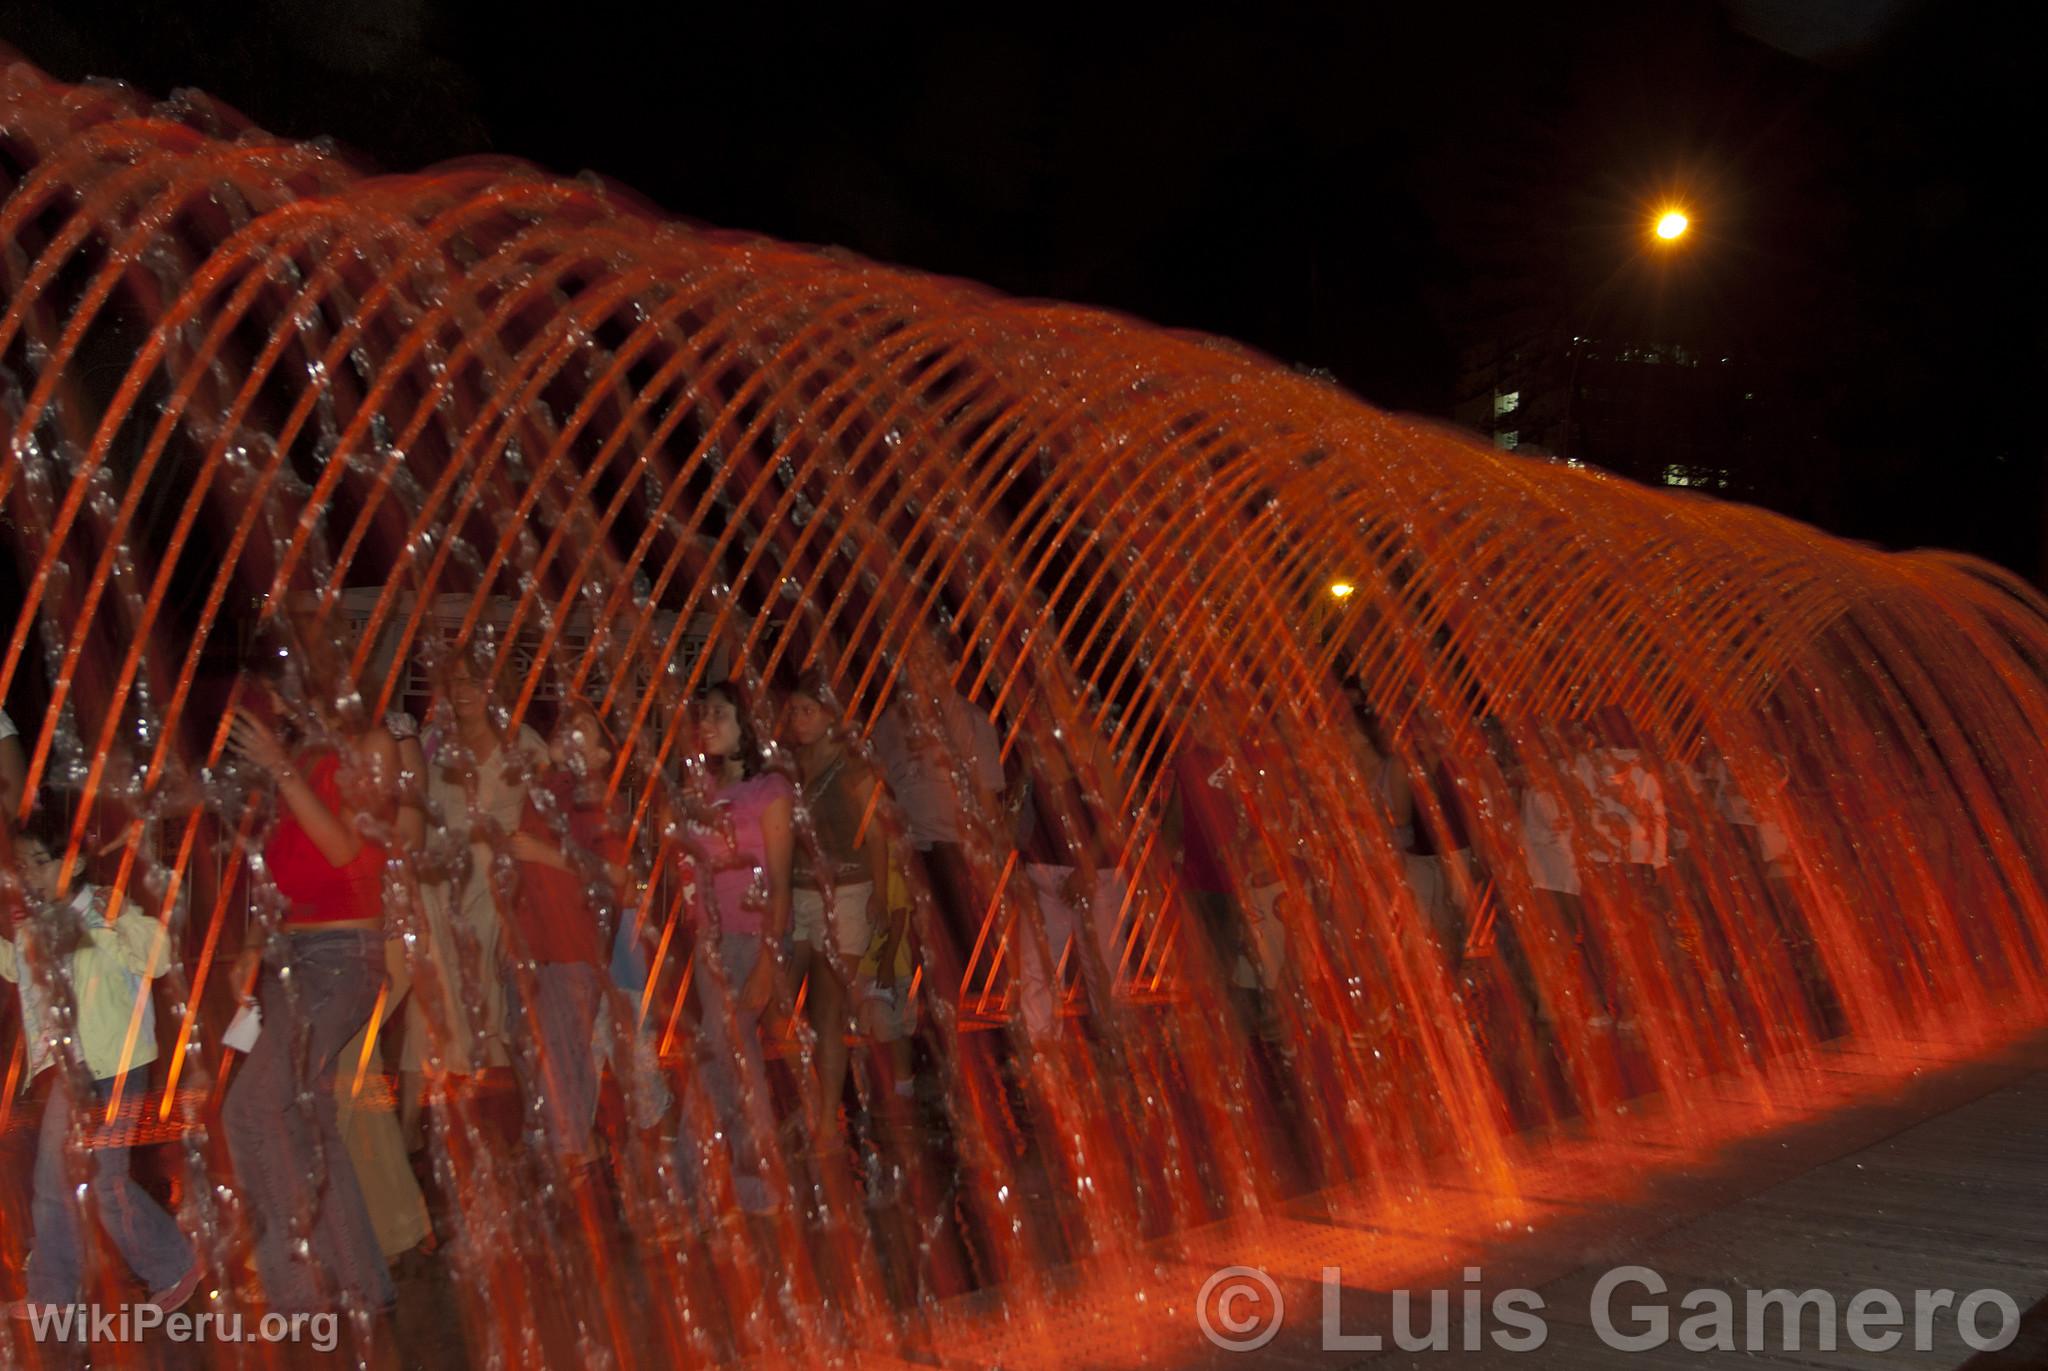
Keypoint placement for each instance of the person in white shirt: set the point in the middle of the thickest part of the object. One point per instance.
(1718, 780)
(1550, 808)
(1547, 843)
(1630, 824)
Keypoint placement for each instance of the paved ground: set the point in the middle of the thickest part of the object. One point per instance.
(1928, 1169)
(2028, 1352)
(1917, 1168)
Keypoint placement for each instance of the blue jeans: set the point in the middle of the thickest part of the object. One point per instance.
(731, 1069)
(555, 1058)
(147, 1238)
(282, 1131)
(629, 968)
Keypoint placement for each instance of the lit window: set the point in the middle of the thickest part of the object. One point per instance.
(1504, 402)
(1675, 475)
(1507, 441)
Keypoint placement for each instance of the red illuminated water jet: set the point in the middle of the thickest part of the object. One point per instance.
(485, 411)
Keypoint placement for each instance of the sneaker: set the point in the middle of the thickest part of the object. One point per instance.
(175, 1297)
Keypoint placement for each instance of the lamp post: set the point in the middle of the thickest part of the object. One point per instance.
(1330, 605)
(1669, 226)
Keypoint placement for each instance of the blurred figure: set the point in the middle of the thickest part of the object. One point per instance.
(1386, 776)
(1630, 825)
(376, 1147)
(554, 965)
(13, 767)
(1725, 794)
(834, 885)
(295, 1172)
(888, 969)
(1227, 871)
(886, 1011)
(476, 788)
(1631, 834)
(101, 962)
(749, 856)
(375, 1142)
(630, 932)
(1439, 858)
(1551, 853)
(1070, 864)
(943, 762)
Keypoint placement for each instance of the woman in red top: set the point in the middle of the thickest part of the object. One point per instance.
(333, 794)
(554, 977)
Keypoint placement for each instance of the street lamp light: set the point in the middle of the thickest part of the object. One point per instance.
(1342, 590)
(1667, 230)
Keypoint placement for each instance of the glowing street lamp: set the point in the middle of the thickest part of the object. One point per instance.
(1667, 229)
(1342, 590)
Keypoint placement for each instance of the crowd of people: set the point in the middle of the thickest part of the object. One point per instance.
(483, 899)
(468, 897)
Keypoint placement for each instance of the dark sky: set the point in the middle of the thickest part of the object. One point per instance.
(1355, 187)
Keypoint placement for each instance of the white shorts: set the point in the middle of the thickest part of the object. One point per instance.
(851, 931)
(1037, 994)
(887, 1012)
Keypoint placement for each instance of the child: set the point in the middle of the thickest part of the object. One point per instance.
(888, 1016)
(110, 964)
(886, 1012)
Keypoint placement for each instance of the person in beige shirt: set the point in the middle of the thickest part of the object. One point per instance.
(476, 788)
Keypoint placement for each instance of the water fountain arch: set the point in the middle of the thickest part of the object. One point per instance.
(614, 451)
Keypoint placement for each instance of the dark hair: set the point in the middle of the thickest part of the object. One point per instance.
(59, 930)
(814, 685)
(1374, 726)
(265, 655)
(574, 706)
(48, 826)
(750, 742)
(494, 685)
(455, 661)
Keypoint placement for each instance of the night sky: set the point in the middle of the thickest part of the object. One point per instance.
(1361, 188)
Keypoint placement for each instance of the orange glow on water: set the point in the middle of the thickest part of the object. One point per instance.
(477, 408)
